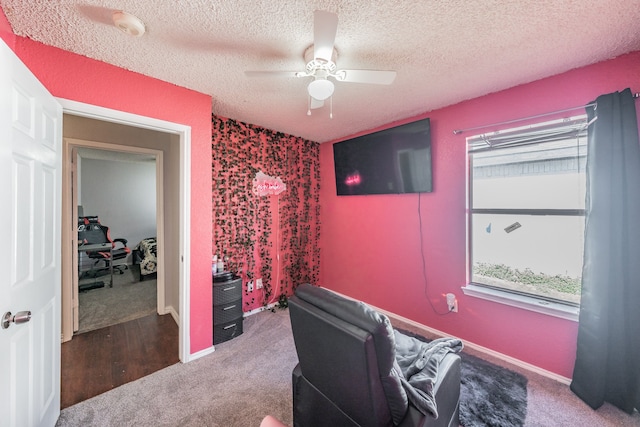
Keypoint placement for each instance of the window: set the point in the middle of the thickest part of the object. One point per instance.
(527, 211)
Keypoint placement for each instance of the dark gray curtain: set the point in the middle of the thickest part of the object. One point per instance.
(607, 367)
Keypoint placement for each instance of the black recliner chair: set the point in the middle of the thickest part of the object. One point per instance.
(348, 374)
(90, 231)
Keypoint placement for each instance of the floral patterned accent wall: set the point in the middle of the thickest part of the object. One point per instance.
(274, 238)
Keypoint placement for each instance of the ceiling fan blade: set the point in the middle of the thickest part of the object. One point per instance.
(272, 74)
(378, 77)
(315, 103)
(325, 25)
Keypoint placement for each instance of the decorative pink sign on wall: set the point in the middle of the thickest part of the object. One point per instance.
(265, 185)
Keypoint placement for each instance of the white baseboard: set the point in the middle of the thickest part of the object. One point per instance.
(259, 309)
(199, 354)
(173, 313)
(485, 350)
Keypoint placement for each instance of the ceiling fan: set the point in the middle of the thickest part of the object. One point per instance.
(321, 64)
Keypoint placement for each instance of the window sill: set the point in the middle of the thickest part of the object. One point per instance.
(524, 302)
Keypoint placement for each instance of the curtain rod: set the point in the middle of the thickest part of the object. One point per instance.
(459, 131)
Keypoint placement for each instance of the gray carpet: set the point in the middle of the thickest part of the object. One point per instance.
(129, 299)
(250, 376)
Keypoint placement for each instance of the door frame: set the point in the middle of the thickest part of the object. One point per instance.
(70, 211)
(184, 133)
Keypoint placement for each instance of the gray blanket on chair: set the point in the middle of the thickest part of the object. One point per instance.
(419, 361)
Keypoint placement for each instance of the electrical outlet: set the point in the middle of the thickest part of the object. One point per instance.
(258, 283)
(250, 286)
(452, 303)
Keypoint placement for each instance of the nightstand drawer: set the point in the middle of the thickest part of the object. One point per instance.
(227, 312)
(226, 292)
(227, 331)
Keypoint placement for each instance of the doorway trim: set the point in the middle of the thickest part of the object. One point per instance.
(70, 181)
(184, 133)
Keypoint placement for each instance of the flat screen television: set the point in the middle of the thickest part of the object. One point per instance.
(391, 161)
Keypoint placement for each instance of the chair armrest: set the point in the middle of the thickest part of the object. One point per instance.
(447, 396)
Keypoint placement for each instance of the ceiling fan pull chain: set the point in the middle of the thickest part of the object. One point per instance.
(309, 106)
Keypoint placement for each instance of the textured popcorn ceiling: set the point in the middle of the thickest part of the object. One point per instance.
(443, 51)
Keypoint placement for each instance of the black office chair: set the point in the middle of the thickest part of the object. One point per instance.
(91, 232)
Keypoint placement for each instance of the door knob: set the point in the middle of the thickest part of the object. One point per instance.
(18, 318)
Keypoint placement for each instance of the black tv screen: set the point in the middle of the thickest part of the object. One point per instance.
(391, 161)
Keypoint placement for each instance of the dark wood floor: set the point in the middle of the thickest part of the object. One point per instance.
(97, 361)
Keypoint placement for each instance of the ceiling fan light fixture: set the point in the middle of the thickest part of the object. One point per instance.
(320, 58)
(320, 89)
(128, 23)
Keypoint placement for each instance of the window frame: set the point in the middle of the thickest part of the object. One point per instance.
(512, 136)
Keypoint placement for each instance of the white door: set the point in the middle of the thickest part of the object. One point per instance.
(30, 179)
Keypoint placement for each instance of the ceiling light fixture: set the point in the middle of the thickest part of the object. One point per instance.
(128, 23)
(320, 89)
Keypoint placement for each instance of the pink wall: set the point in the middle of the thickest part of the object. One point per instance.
(371, 247)
(81, 79)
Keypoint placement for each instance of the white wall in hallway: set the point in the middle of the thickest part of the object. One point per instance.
(122, 194)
